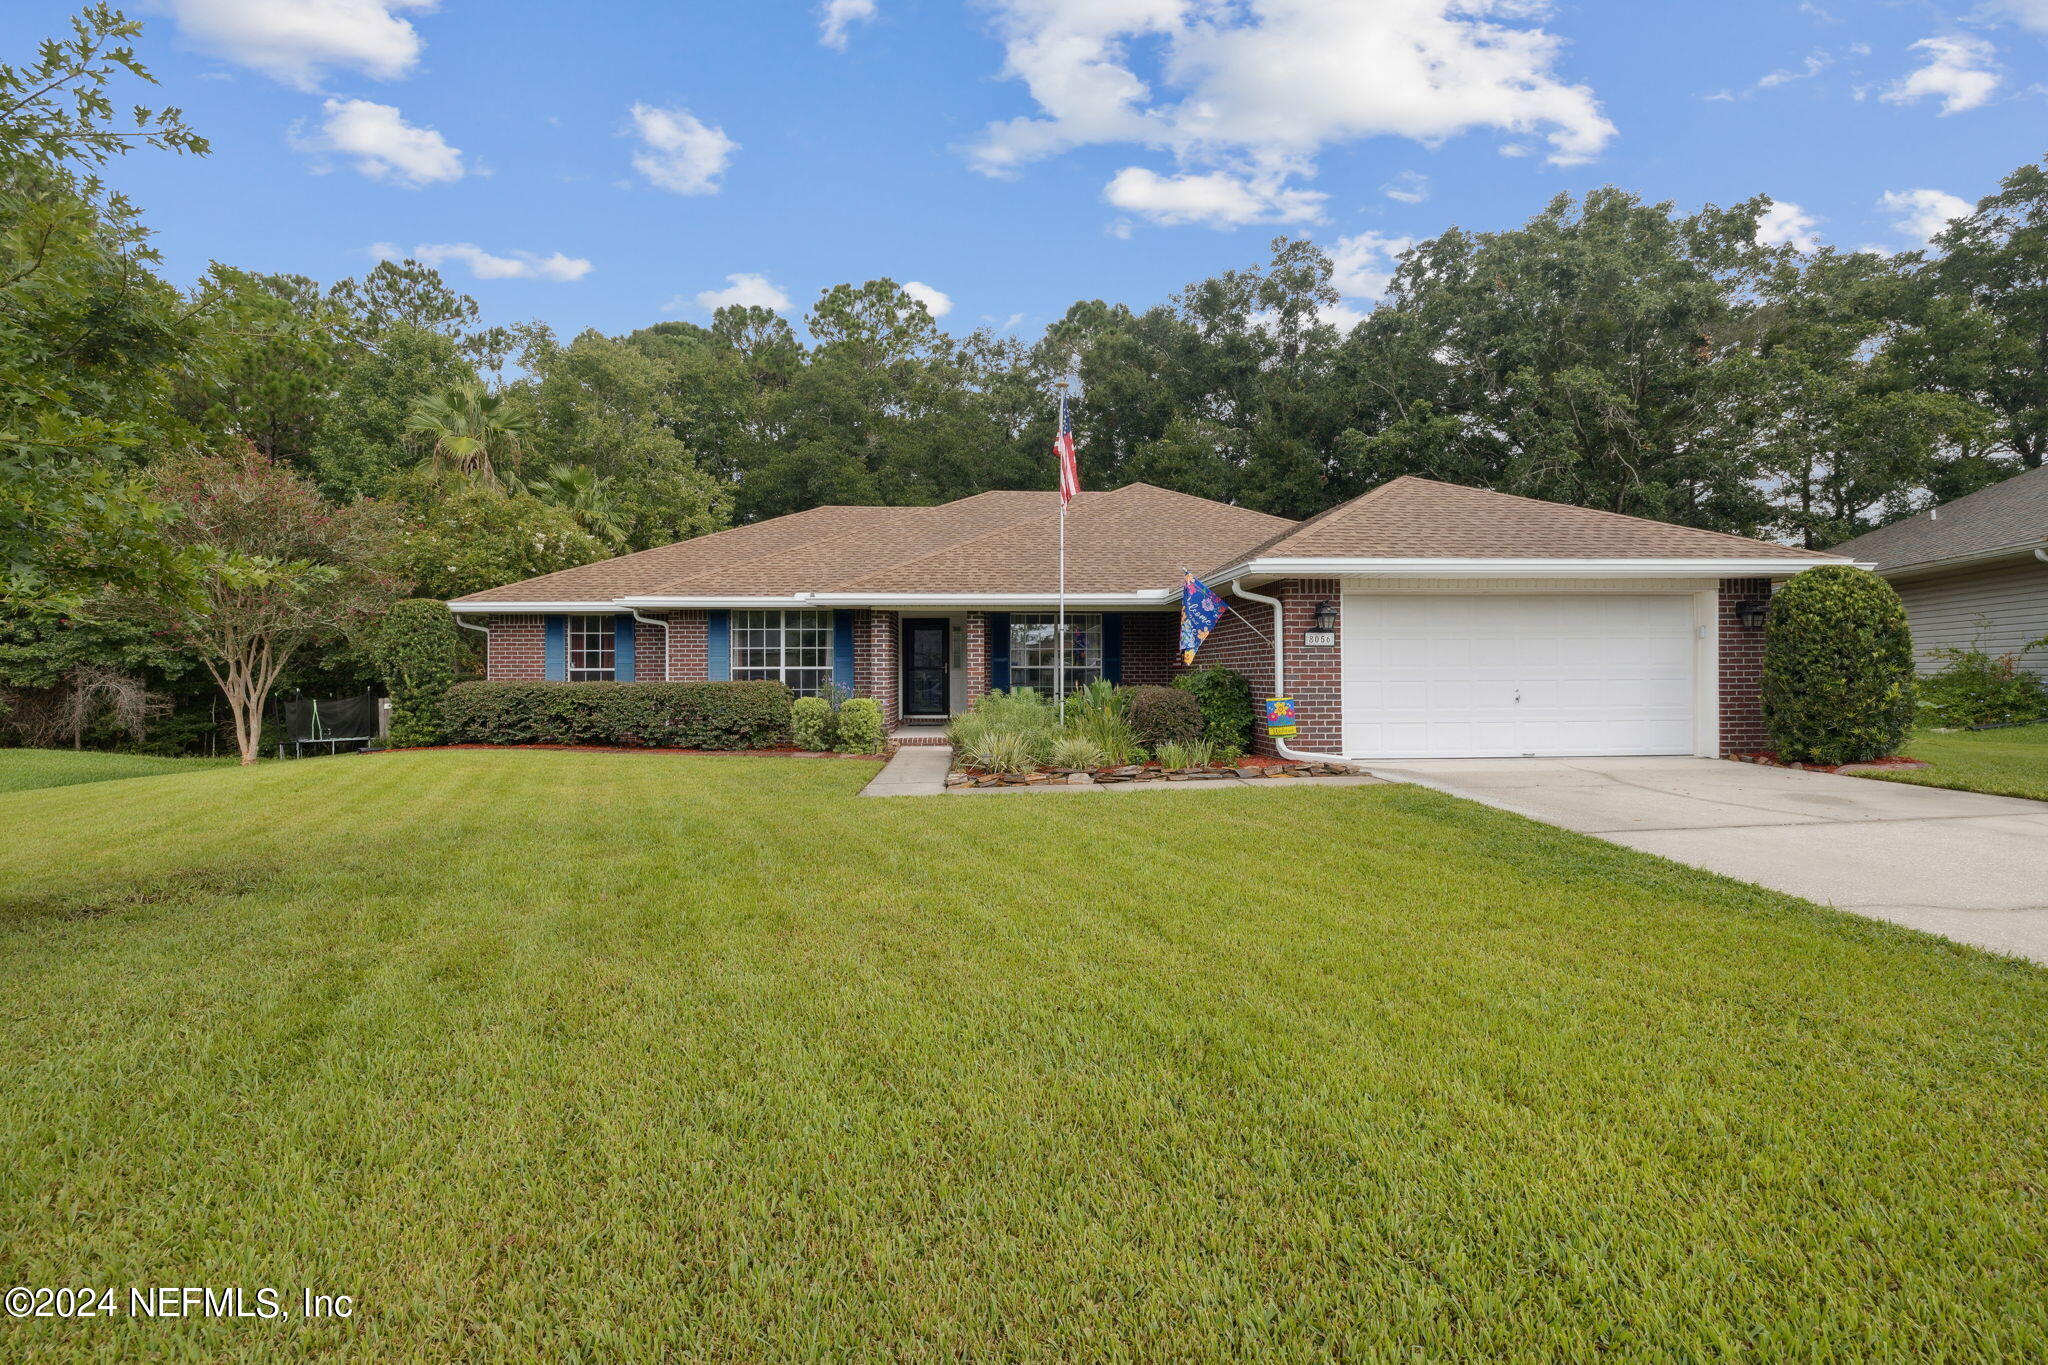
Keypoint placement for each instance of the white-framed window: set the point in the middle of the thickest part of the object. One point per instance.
(790, 647)
(1032, 661)
(591, 640)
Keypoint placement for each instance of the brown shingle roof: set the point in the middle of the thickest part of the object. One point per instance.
(1134, 539)
(1416, 518)
(1130, 540)
(2009, 515)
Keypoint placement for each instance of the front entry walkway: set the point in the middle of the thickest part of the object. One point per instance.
(1961, 864)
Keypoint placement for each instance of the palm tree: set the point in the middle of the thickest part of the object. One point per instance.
(586, 494)
(467, 429)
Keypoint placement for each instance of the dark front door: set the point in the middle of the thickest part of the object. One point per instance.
(924, 668)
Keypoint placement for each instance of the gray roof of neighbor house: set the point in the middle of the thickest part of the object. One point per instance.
(1133, 539)
(2012, 515)
(1417, 518)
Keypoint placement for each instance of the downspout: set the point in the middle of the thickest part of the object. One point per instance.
(2041, 555)
(1287, 750)
(655, 621)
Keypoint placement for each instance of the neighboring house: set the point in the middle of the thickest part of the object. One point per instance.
(1973, 571)
(1422, 619)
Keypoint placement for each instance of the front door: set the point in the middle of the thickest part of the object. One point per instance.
(924, 668)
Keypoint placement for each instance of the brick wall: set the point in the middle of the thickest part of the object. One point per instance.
(517, 649)
(688, 659)
(874, 660)
(1313, 674)
(647, 652)
(1742, 668)
(1150, 641)
(977, 655)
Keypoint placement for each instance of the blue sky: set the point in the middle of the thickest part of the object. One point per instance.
(610, 164)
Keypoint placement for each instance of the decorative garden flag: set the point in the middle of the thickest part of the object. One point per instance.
(1199, 610)
(1280, 721)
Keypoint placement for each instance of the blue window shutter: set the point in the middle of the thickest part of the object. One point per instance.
(718, 646)
(555, 648)
(622, 649)
(1113, 646)
(999, 650)
(842, 650)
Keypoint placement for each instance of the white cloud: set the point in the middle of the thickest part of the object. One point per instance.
(835, 16)
(679, 151)
(294, 40)
(520, 265)
(1923, 213)
(1364, 264)
(2031, 14)
(1958, 73)
(1813, 66)
(1256, 89)
(382, 144)
(1410, 187)
(741, 291)
(935, 302)
(1786, 224)
(1218, 198)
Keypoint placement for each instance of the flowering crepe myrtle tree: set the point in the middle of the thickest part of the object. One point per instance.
(279, 569)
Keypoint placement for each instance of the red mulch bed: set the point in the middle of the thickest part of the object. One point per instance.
(783, 752)
(1768, 759)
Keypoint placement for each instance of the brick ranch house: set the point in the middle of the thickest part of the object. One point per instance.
(1421, 619)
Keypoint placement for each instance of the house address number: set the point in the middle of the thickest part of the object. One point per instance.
(1319, 637)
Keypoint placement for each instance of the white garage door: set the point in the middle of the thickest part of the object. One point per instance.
(1432, 676)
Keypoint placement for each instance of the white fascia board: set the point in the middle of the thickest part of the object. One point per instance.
(1153, 597)
(644, 603)
(528, 608)
(1523, 568)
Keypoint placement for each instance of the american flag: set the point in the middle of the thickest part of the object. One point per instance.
(1070, 472)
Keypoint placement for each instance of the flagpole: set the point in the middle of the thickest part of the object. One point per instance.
(1060, 631)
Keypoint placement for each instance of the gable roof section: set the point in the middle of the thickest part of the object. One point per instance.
(2012, 515)
(1133, 539)
(1415, 518)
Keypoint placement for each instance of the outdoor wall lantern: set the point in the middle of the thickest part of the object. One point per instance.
(1326, 615)
(1751, 613)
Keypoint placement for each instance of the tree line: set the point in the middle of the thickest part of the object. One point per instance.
(261, 456)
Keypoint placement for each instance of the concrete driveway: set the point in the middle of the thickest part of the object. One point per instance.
(1971, 867)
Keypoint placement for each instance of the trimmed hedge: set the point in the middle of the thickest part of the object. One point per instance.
(689, 715)
(1165, 715)
(417, 649)
(860, 726)
(1226, 700)
(812, 725)
(1838, 668)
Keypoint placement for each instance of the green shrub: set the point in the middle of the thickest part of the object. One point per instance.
(417, 651)
(1199, 754)
(1002, 751)
(1976, 688)
(691, 715)
(1226, 701)
(812, 724)
(1838, 668)
(1023, 712)
(1165, 715)
(860, 726)
(1073, 751)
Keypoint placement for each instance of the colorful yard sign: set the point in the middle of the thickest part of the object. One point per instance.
(1280, 717)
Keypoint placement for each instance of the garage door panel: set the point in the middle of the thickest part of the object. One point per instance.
(1492, 675)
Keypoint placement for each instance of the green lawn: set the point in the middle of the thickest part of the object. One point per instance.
(585, 1057)
(27, 769)
(2003, 762)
